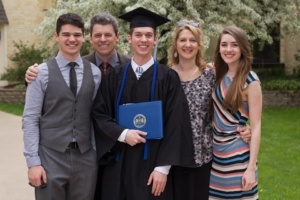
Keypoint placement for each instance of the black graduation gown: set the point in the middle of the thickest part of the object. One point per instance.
(127, 178)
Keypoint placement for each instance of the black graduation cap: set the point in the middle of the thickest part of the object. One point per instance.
(141, 17)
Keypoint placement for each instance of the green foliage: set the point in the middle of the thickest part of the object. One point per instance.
(23, 58)
(275, 79)
(86, 48)
(282, 85)
(271, 73)
(257, 18)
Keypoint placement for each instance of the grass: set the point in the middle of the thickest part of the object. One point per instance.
(16, 109)
(279, 158)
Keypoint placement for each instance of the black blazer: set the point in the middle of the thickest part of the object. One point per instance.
(123, 60)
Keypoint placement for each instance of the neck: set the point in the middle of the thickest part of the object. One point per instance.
(105, 58)
(70, 57)
(141, 60)
(187, 70)
(232, 69)
(186, 65)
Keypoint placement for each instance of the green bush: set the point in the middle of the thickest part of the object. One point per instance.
(275, 79)
(282, 85)
(266, 74)
(23, 58)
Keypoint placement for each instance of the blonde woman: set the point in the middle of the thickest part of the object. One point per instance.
(197, 80)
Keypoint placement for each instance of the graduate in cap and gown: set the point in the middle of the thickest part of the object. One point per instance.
(137, 169)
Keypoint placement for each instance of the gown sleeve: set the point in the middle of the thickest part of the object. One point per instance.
(107, 131)
(177, 146)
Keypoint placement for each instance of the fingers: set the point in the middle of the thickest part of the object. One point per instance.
(150, 179)
(159, 182)
(31, 73)
(245, 133)
(36, 175)
(44, 177)
(159, 188)
(134, 137)
(245, 139)
(247, 183)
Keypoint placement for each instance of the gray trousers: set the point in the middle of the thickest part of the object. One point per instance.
(70, 175)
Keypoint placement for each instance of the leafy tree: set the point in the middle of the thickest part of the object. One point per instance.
(256, 17)
(24, 57)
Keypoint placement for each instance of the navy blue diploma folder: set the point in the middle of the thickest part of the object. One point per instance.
(145, 116)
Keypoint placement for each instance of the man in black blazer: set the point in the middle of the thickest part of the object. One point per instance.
(104, 35)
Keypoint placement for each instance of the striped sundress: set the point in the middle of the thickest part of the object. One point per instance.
(230, 154)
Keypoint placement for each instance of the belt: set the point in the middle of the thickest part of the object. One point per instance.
(73, 145)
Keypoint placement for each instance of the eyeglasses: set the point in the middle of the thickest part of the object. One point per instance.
(182, 23)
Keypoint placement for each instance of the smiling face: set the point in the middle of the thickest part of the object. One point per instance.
(70, 39)
(230, 50)
(187, 45)
(104, 40)
(142, 40)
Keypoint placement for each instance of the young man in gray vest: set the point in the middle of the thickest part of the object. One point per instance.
(104, 35)
(58, 142)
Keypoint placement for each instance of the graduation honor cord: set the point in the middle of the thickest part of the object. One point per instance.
(120, 92)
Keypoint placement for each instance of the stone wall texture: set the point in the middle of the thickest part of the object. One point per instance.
(270, 98)
(276, 98)
(12, 95)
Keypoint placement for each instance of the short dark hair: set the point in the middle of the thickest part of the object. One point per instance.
(69, 18)
(104, 19)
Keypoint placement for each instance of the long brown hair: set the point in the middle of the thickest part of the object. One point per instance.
(233, 98)
(196, 31)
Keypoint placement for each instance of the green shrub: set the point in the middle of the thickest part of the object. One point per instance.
(275, 79)
(282, 85)
(266, 74)
(23, 58)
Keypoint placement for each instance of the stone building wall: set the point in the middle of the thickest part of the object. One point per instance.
(24, 16)
(289, 46)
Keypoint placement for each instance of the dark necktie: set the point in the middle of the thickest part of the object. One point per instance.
(73, 79)
(104, 67)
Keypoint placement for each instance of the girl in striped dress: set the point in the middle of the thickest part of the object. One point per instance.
(237, 98)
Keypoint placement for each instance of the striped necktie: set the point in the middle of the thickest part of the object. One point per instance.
(103, 68)
(139, 71)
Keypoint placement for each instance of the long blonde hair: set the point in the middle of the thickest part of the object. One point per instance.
(233, 98)
(196, 31)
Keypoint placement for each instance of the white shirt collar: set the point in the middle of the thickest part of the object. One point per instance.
(145, 66)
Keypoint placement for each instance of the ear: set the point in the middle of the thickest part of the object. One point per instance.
(156, 39)
(129, 39)
(118, 37)
(56, 37)
(90, 38)
(83, 36)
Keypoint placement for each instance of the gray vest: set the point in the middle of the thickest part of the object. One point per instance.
(64, 116)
